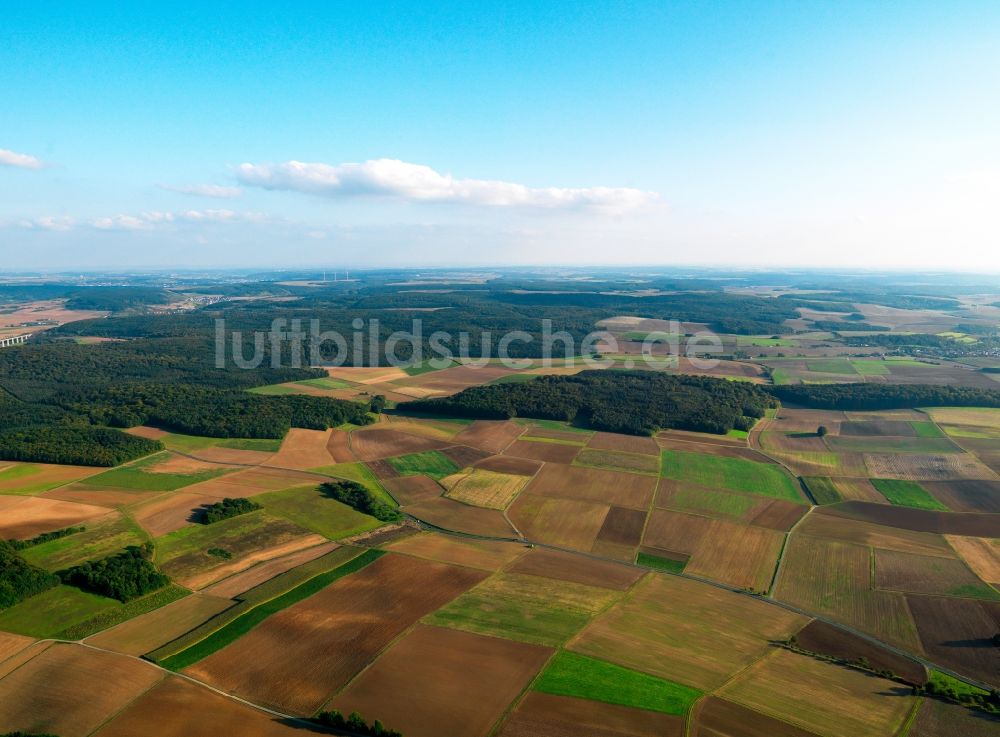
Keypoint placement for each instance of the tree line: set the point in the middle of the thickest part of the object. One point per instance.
(228, 507)
(862, 396)
(19, 579)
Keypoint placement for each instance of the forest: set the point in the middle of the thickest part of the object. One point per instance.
(883, 396)
(19, 579)
(631, 402)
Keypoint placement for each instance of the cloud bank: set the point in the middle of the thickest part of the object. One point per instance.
(205, 190)
(19, 161)
(143, 221)
(391, 178)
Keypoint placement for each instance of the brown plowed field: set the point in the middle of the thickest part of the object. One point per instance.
(510, 464)
(339, 447)
(917, 520)
(453, 380)
(463, 456)
(726, 451)
(548, 715)
(623, 526)
(489, 435)
(439, 681)
(110, 498)
(412, 489)
(981, 553)
(149, 631)
(833, 527)
(169, 512)
(176, 708)
(234, 455)
(628, 443)
(244, 581)
(297, 658)
(568, 523)
(12, 644)
(922, 574)
(823, 638)
(254, 481)
(451, 515)
(860, 490)
(778, 514)
(48, 474)
(575, 568)
(541, 451)
(715, 717)
(739, 555)
(569, 436)
(957, 634)
(304, 449)
(27, 516)
(378, 443)
(877, 428)
(595, 485)
(940, 719)
(382, 469)
(487, 555)
(967, 496)
(69, 690)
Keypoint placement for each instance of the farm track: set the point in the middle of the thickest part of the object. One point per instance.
(593, 556)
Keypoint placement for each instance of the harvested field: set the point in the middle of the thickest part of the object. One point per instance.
(486, 555)
(451, 515)
(488, 489)
(254, 481)
(491, 436)
(967, 496)
(739, 555)
(238, 583)
(623, 526)
(452, 380)
(957, 634)
(477, 677)
(917, 467)
(917, 520)
(821, 697)
(32, 478)
(111, 498)
(154, 629)
(625, 443)
(734, 449)
(619, 461)
(412, 489)
(976, 416)
(924, 574)
(170, 512)
(27, 516)
(11, 645)
(820, 637)
(573, 437)
(542, 451)
(834, 579)
(382, 469)
(577, 569)
(304, 449)
(366, 374)
(510, 464)
(715, 717)
(464, 456)
(860, 490)
(235, 456)
(278, 550)
(297, 658)
(568, 523)
(178, 707)
(531, 609)
(339, 447)
(70, 690)
(378, 443)
(862, 532)
(982, 554)
(564, 716)
(777, 514)
(595, 485)
(940, 719)
(685, 631)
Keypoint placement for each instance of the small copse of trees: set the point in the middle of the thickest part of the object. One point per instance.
(358, 497)
(228, 507)
(124, 576)
(354, 723)
(19, 579)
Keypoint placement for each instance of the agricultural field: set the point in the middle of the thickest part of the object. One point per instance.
(564, 716)
(634, 491)
(488, 489)
(310, 508)
(734, 474)
(34, 478)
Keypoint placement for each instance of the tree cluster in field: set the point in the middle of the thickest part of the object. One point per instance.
(988, 702)
(861, 396)
(116, 299)
(834, 326)
(632, 402)
(78, 446)
(19, 579)
(355, 723)
(228, 507)
(358, 497)
(44, 538)
(124, 576)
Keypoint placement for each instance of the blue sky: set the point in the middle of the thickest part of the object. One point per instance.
(726, 133)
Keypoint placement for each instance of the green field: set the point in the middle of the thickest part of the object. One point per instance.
(711, 501)
(136, 476)
(907, 494)
(619, 461)
(927, 430)
(429, 463)
(118, 614)
(527, 608)
(780, 377)
(252, 617)
(308, 507)
(891, 444)
(53, 611)
(425, 368)
(822, 489)
(98, 540)
(23, 473)
(870, 367)
(326, 383)
(569, 674)
(191, 443)
(765, 342)
(735, 474)
(276, 390)
(831, 366)
(554, 425)
(659, 563)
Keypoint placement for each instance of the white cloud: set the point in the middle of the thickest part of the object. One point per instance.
(143, 221)
(52, 222)
(21, 161)
(418, 183)
(205, 190)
